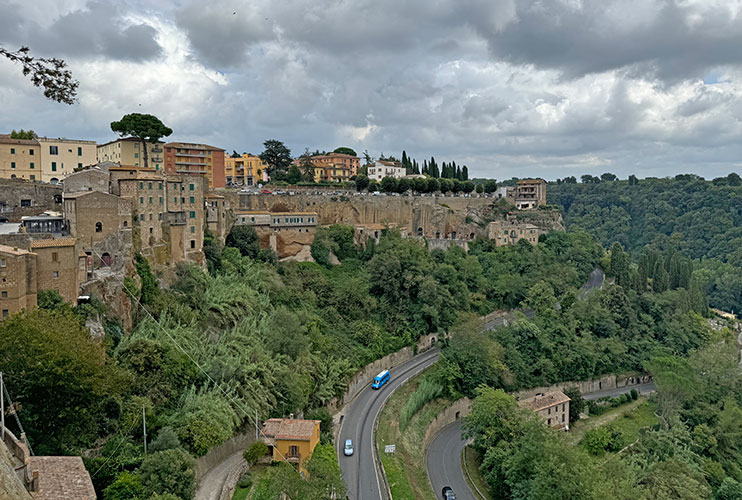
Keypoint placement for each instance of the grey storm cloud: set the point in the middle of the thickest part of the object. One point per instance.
(667, 39)
(98, 29)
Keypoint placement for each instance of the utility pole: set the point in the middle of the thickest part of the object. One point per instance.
(144, 424)
(2, 407)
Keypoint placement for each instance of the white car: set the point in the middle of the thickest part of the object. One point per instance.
(348, 450)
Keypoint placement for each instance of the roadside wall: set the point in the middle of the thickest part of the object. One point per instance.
(589, 386)
(217, 455)
(458, 410)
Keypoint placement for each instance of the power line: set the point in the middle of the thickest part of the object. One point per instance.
(17, 420)
(218, 386)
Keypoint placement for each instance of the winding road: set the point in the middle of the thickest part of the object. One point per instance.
(359, 470)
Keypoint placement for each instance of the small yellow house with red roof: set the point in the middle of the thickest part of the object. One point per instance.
(290, 439)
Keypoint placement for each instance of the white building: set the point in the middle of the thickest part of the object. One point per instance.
(382, 168)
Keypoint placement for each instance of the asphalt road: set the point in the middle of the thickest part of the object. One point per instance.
(596, 279)
(443, 463)
(359, 470)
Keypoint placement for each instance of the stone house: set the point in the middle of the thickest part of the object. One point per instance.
(59, 266)
(553, 407)
(17, 280)
(506, 232)
(91, 179)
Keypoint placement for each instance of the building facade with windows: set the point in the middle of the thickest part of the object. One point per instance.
(553, 407)
(247, 170)
(130, 151)
(510, 232)
(382, 168)
(188, 158)
(60, 157)
(291, 440)
(335, 167)
(530, 193)
(19, 158)
(59, 266)
(17, 280)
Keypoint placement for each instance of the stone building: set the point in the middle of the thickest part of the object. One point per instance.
(17, 280)
(60, 157)
(91, 179)
(508, 232)
(289, 234)
(130, 152)
(19, 158)
(20, 197)
(530, 193)
(217, 215)
(59, 266)
(553, 407)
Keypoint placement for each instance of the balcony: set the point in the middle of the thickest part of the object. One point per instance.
(192, 155)
(177, 218)
(293, 457)
(156, 150)
(191, 163)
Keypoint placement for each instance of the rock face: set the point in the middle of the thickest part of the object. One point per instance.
(432, 217)
(11, 487)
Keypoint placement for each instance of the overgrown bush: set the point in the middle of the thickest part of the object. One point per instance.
(605, 438)
(170, 471)
(634, 394)
(245, 481)
(255, 452)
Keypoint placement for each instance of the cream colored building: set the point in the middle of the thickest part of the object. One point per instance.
(553, 407)
(19, 158)
(60, 157)
(130, 151)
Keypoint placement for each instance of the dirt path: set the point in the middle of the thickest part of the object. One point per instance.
(210, 486)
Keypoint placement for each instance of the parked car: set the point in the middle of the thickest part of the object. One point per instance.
(448, 493)
(265, 191)
(348, 450)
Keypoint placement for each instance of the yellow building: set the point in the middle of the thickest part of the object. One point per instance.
(19, 158)
(130, 151)
(291, 440)
(335, 167)
(247, 170)
(60, 157)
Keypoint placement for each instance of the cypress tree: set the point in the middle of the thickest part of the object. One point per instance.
(465, 173)
(458, 173)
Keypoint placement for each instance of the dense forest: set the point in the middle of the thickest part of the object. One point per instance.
(697, 218)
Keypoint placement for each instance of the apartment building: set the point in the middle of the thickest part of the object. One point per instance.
(19, 158)
(530, 193)
(186, 157)
(553, 407)
(60, 157)
(17, 280)
(382, 168)
(510, 232)
(247, 170)
(335, 167)
(130, 151)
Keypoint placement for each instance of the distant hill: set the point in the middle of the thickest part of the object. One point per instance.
(701, 219)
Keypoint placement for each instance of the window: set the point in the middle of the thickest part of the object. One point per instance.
(548, 422)
(31, 165)
(160, 200)
(175, 199)
(30, 152)
(12, 164)
(150, 230)
(563, 404)
(193, 229)
(33, 177)
(293, 451)
(5, 313)
(54, 166)
(98, 227)
(5, 295)
(193, 199)
(79, 165)
(141, 200)
(193, 243)
(159, 186)
(141, 185)
(136, 155)
(193, 214)
(150, 200)
(56, 274)
(141, 217)
(55, 257)
(150, 186)
(79, 151)
(191, 187)
(548, 411)
(562, 417)
(53, 150)
(12, 151)
(3, 263)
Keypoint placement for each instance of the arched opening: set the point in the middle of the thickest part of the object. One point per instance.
(437, 235)
(453, 235)
(54, 180)
(419, 231)
(150, 230)
(12, 176)
(126, 223)
(98, 227)
(458, 415)
(106, 259)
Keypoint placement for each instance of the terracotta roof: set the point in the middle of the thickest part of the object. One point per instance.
(13, 250)
(5, 139)
(290, 428)
(53, 242)
(62, 478)
(192, 145)
(542, 401)
(252, 212)
(531, 181)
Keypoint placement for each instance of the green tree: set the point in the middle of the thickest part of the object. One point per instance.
(169, 471)
(576, 405)
(478, 360)
(403, 185)
(479, 188)
(127, 486)
(245, 239)
(26, 135)
(389, 184)
(467, 186)
(50, 74)
(619, 266)
(255, 452)
(432, 185)
(490, 186)
(345, 151)
(146, 128)
(277, 156)
(294, 176)
(361, 182)
(60, 377)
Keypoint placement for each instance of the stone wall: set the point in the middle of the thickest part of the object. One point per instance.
(42, 196)
(458, 410)
(220, 453)
(589, 386)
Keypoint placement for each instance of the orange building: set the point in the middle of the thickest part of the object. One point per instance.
(185, 157)
(291, 440)
(335, 167)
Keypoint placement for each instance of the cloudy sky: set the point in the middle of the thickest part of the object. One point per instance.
(511, 88)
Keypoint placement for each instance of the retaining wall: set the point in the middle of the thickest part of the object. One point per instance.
(458, 410)
(218, 454)
(589, 386)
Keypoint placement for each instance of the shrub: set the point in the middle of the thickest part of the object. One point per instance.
(597, 440)
(170, 471)
(245, 480)
(427, 391)
(125, 487)
(255, 452)
(167, 439)
(634, 394)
